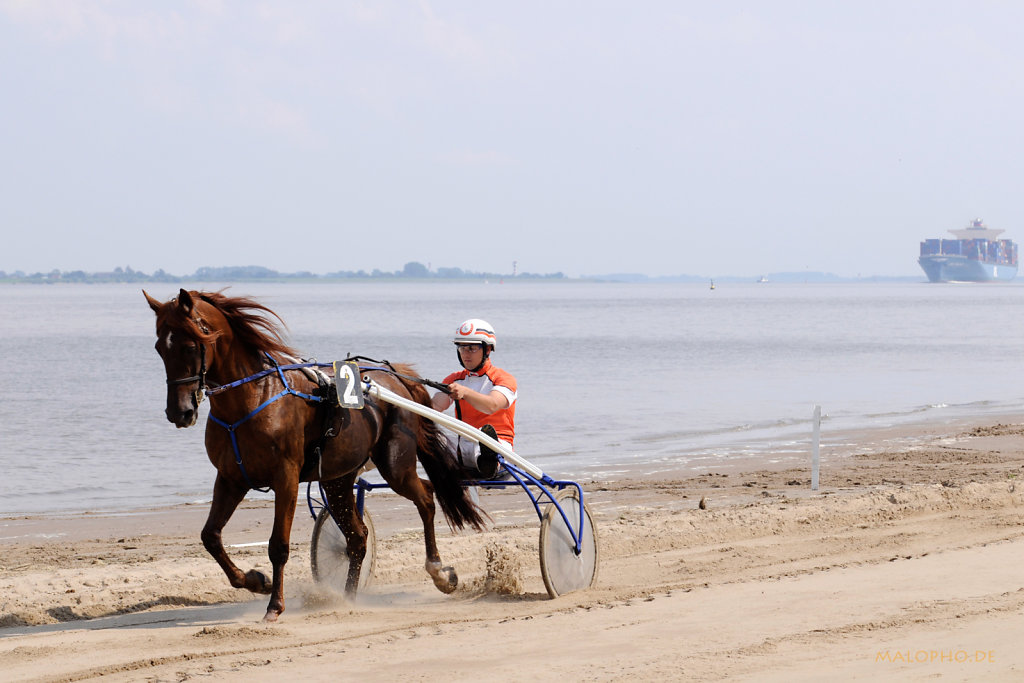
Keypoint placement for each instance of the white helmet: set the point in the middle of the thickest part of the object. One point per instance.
(476, 331)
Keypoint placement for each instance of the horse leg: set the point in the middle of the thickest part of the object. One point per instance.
(226, 497)
(278, 548)
(342, 504)
(421, 492)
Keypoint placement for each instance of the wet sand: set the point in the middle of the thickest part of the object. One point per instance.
(904, 564)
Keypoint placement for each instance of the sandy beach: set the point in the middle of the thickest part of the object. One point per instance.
(905, 564)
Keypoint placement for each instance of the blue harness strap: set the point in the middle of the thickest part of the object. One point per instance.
(382, 366)
(233, 427)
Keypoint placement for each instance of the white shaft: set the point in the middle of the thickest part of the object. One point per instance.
(458, 426)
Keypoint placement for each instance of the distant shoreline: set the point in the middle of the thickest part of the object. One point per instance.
(245, 275)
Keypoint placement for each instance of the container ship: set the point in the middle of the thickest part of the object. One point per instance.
(974, 256)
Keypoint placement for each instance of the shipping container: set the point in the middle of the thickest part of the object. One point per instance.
(951, 247)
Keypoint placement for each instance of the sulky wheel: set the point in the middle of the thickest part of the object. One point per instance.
(328, 552)
(563, 570)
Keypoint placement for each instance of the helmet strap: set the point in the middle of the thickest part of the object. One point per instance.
(483, 361)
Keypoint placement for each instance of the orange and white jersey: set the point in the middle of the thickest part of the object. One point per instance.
(490, 378)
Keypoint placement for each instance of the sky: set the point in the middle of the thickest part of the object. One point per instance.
(662, 138)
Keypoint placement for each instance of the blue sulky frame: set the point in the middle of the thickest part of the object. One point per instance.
(543, 496)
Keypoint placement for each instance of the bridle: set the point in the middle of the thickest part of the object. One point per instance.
(200, 392)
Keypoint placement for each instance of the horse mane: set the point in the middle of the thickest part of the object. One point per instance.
(255, 326)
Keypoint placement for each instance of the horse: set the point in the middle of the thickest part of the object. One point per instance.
(260, 435)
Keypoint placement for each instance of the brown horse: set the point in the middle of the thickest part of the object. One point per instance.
(256, 440)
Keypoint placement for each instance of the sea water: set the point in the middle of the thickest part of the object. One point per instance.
(611, 376)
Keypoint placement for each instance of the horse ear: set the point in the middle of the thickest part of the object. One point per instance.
(153, 303)
(185, 302)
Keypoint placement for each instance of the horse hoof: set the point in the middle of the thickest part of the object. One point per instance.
(257, 581)
(271, 616)
(446, 580)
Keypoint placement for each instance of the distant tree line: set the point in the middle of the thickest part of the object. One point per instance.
(411, 270)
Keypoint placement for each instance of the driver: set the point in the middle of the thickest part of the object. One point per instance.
(484, 396)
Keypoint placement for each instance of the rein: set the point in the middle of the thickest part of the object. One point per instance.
(279, 370)
(391, 371)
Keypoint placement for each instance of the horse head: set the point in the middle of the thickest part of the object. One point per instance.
(186, 344)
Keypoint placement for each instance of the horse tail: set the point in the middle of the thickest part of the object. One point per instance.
(438, 459)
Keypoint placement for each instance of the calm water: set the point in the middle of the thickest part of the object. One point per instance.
(610, 375)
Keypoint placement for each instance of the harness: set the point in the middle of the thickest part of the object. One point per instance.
(288, 390)
(279, 369)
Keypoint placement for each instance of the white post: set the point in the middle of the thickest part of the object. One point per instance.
(815, 450)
